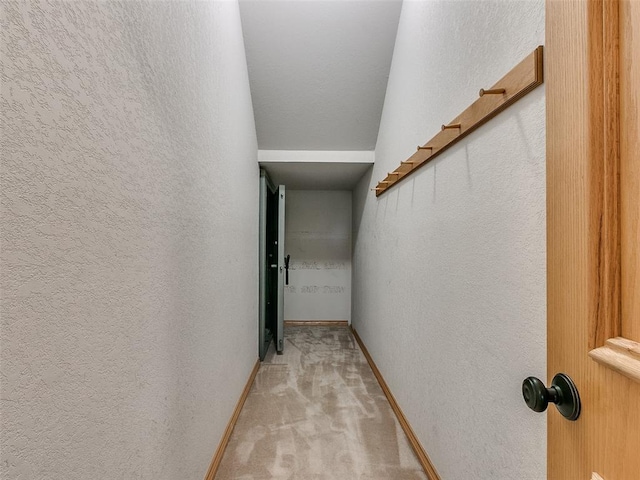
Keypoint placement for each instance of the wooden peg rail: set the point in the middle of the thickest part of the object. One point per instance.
(522, 79)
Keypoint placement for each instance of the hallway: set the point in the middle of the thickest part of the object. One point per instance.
(317, 411)
(132, 138)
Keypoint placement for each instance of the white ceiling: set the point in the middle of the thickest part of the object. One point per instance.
(318, 70)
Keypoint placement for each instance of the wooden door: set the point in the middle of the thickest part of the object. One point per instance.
(593, 171)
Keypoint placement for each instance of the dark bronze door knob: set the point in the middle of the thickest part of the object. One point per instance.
(563, 393)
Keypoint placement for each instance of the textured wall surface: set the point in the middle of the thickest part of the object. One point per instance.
(129, 237)
(318, 238)
(449, 265)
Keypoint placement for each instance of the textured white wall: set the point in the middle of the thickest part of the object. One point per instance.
(129, 237)
(449, 266)
(318, 238)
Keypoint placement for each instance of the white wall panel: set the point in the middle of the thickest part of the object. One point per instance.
(318, 238)
(449, 265)
(129, 237)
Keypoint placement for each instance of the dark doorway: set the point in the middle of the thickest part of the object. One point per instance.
(272, 265)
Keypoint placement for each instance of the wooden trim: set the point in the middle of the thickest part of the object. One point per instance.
(605, 179)
(217, 457)
(423, 458)
(629, 78)
(517, 83)
(621, 355)
(316, 323)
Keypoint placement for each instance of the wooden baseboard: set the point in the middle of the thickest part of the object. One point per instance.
(423, 458)
(217, 457)
(316, 323)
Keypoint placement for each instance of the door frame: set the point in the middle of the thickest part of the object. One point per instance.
(279, 338)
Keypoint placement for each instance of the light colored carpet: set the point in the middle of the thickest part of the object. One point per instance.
(318, 412)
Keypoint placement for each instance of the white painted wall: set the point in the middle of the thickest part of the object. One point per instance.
(129, 237)
(318, 238)
(449, 265)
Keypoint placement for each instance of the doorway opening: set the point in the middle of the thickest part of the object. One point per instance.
(272, 265)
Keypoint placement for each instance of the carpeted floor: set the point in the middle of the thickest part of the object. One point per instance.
(318, 412)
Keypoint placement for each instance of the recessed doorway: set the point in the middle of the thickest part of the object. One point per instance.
(272, 265)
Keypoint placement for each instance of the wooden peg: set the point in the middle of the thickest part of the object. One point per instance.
(522, 79)
(493, 91)
(393, 173)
